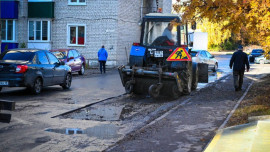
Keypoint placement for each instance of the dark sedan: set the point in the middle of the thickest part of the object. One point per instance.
(72, 58)
(33, 68)
(255, 53)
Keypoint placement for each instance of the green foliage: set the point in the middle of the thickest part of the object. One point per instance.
(229, 45)
(6, 47)
(23, 45)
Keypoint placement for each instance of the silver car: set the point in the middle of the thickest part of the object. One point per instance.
(261, 60)
(201, 56)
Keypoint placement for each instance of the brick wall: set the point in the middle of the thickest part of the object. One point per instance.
(128, 28)
(100, 17)
(22, 23)
(113, 23)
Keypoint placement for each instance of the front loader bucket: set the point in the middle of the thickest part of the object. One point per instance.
(149, 81)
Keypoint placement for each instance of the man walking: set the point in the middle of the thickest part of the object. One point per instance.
(238, 61)
(102, 58)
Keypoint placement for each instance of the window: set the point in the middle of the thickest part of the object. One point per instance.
(18, 55)
(208, 54)
(42, 58)
(76, 35)
(8, 30)
(75, 53)
(158, 34)
(70, 54)
(183, 35)
(52, 58)
(76, 2)
(39, 31)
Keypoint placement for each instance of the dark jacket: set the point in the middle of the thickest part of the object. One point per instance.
(239, 60)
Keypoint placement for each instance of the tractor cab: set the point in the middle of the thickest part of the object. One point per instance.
(163, 30)
(161, 34)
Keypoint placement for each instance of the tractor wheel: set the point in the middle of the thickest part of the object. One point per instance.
(195, 76)
(129, 87)
(153, 91)
(186, 77)
(175, 92)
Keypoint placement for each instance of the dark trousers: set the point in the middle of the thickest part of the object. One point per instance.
(102, 66)
(238, 77)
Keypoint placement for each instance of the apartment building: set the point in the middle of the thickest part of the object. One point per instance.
(84, 25)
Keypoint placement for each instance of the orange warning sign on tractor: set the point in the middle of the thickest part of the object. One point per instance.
(179, 54)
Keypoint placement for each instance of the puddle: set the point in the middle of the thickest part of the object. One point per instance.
(212, 77)
(99, 113)
(106, 131)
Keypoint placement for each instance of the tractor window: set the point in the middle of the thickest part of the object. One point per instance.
(159, 34)
(183, 37)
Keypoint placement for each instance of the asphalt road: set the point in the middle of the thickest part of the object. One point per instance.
(33, 129)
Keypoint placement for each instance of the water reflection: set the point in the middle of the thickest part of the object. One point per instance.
(105, 131)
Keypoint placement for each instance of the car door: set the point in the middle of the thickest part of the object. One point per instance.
(58, 70)
(211, 60)
(45, 68)
(77, 60)
(204, 57)
(70, 60)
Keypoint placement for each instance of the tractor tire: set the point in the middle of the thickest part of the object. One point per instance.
(153, 91)
(195, 76)
(129, 87)
(186, 77)
(175, 93)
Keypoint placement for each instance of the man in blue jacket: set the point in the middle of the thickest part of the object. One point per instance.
(102, 58)
(239, 60)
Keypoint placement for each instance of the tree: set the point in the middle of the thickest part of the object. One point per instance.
(249, 19)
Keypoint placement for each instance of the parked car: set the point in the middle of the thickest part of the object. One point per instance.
(72, 58)
(262, 59)
(201, 56)
(33, 68)
(255, 53)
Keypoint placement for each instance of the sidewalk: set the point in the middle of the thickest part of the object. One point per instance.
(251, 137)
(191, 126)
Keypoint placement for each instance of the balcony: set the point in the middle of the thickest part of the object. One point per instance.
(9, 9)
(40, 9)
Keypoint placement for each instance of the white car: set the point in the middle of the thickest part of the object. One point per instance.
(202, 56)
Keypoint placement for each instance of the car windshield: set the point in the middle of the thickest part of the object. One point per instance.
(157, 33)
(193, 53)
(257, 51)
(60, 55)
(18, 55)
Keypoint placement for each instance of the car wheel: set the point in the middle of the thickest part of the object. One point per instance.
(37, 86)
(67, 82)
(261, 61)
(81, 72)
(0, 89)
(215, 67)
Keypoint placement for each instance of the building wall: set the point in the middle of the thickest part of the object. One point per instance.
(100, 17)
(113, 23)
(128, 28)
